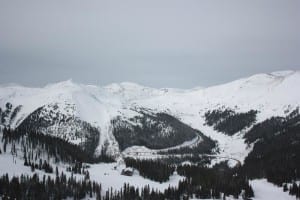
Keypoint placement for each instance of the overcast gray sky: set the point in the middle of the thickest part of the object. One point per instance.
(158, 43)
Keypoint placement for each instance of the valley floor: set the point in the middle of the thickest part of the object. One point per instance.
(109, 175)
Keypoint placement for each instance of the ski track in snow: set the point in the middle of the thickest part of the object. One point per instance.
(146, 152)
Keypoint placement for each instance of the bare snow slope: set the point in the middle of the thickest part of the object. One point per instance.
(274, 94)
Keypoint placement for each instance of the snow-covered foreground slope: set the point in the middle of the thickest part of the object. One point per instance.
(104, 173)
(108, 174)
(264, 190)
(111, 177)
(272, 94)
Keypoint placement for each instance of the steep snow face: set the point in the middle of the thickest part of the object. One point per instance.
(274, 94)
(260, 89)
(85, 103)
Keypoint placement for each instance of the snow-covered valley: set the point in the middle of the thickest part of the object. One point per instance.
(128, 120)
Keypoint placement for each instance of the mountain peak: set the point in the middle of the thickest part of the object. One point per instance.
(124, 85)
(284, 73)
(264, 79)
(63, 84)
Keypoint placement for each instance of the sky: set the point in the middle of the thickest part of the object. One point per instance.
(157, 43)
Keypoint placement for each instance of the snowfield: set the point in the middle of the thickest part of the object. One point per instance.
(110, 176)
(264, 190)
(106, 174)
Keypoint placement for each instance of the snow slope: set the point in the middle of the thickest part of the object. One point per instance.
(264, 190)
(108, 174)
(273, 94)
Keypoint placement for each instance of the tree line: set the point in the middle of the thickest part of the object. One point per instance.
(25, 187)
(207, 182)
(151, 169)
(228, 121)
(55, 147)
(276, 152)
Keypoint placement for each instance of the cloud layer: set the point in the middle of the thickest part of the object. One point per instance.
(167, 43)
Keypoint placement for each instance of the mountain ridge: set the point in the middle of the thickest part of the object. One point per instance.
(272, 94)
(280, 73)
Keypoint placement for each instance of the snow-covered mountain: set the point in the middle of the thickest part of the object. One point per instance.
(85, 114)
